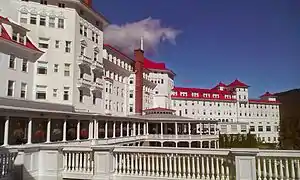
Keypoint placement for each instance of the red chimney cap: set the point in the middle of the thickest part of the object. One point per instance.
(88, 2)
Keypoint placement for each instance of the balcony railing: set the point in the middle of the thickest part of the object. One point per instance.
(7, 158)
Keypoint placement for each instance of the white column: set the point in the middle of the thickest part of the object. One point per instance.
(161, 129)
(29, 132)
(114, 129)
(139, 129)
(6, 129)
(105, 137)
(96, 129)
(91, 130)
(209, 144)
(147, 128)
(127, 129)
(176, 129)
(215, 128)
(78, 130)
(48, 130)
(201, 129)
(65, 130)
(121, 129)
(134, 129)
(208, 128)
(189, 126)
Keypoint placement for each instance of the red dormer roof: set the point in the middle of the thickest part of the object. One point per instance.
(221, 84)
(237, 83)
(154, 65)
(7, 37)
(267, 94)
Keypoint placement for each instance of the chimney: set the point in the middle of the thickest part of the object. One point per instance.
(88, 2)
(139, 66)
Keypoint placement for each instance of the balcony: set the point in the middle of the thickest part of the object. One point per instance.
(84, 60)
(126, 163)
(84, 83)
(96, 86)
(96, 65)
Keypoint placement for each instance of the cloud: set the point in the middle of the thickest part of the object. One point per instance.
(127, 37)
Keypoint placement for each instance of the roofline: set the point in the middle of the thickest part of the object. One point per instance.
(22, 46)
(118, 51)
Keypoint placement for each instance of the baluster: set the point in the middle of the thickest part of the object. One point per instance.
(217, 169)
(161, 173)
(120, 162)
(202, 167)
(175, 166)
(170, 165)
(298, 169)
(293, 169)
(281, 169)
(193, 167)
(144, 166)
(65, 161)
(222, 169)
(183, 167)
(188, 166)
(212, 168)
(287, 172)
(264, 169)
(227, 170)
(259, 169)
(124, 163)
(89, 159)
(132, 164)
(179, 166)
(207, 167)
(80, 161)
(166, 165)
(73, 161)
(136, 164)
(69, 163)
(116, 163)
(198, 167)
(77, 161)
(140, 164)
(157, 165)
(153, 165)
(148, 167)
(85, 162)
(270, 169)
(1, 164)
(275, 169)
(128, 164)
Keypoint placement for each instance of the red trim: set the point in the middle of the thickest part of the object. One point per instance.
(261, 101)
(267, 94)
(238, 83)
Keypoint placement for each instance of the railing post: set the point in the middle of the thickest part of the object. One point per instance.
(104, 170)
(245, 165)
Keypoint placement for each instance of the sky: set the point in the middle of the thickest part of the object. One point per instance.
(257, 42)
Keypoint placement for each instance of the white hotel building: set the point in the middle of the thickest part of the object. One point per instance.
(69, 102)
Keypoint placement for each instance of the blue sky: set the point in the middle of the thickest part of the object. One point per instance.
(255, 41)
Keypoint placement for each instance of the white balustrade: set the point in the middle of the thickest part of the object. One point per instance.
(7, 159)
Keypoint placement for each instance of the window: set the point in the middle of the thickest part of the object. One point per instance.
(82, 50)
(55, 92)
(243, 128)
(55, 69)
(68, 47)
(81, 29)
(12, 61)
(61, 5)
(61, 23)
(42, 67)
(97, 38)
(43, 2)
(41, 92)
(94, 98)
(10, 88)
(67, 69)
(14, 36)
(130, 81)
(260, 128)
(32, 19)
(268, 128)
(162, 81)
(42, 21)
(43, 43)
(52, 22)
(25, 65)
(131, 95)
(130, 107)
(57, 44)
(85, 31)
(23, 90)
(95, 56)
(93, 36)
(252, 128)
(23, 18)
(80, 96)
(66, 93)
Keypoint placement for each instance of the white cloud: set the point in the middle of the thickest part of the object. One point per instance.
(127, 37)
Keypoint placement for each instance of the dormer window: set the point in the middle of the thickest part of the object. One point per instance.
(61, 5)
(23, 17)
(14, 36)
(43, 2)
(42, 21)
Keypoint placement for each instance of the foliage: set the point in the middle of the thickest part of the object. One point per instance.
(238, 141)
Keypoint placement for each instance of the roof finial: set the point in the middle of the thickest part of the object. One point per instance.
(142, 43)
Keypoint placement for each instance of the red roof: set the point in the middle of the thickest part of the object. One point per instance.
(159, 109)
(154, 65)
(267, 94)
(219, 85)
(117, 51)
(237, 83)
(261, 101)
(7, 37)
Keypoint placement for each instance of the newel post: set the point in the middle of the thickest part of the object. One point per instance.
(245, 165)
(104, 161)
